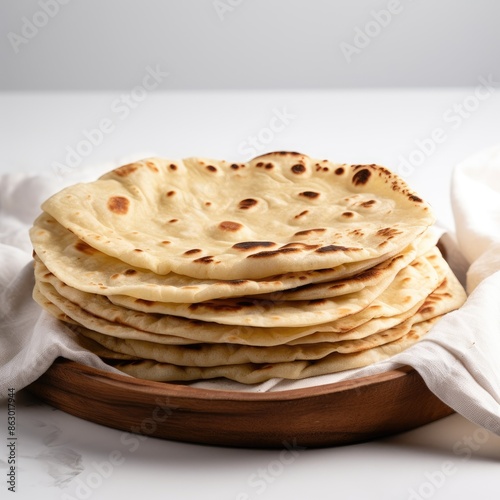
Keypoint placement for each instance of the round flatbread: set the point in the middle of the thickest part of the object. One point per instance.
(254, 373)
(81, 266)
(412, 283)
(230, 354)
(279, 213)
(97, 313)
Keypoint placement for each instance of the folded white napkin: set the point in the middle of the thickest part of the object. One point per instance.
(458, 359)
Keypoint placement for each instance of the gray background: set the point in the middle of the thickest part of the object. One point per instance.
(107, 44)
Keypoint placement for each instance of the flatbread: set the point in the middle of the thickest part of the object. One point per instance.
(198, 332)
(59, 307)
(229, 354)
(84, 341)
(379, 276)
(204, 218)
(253, 373)
(91, 311)
(448, 296)
(85, 268)
(413, 283)
(50, 307)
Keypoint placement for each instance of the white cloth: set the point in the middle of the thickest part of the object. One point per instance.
(476, 205)
(458, 359)
(30, 340)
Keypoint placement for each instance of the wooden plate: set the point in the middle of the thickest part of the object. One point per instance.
(329, 415)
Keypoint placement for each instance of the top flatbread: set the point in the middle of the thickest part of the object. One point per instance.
(281, 212)
(85, 268)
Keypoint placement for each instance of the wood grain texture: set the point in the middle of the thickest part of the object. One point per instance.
(330, 415)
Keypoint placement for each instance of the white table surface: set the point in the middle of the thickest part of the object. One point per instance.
(63, 457)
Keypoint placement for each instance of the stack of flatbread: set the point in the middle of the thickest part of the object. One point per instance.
(284, 266)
